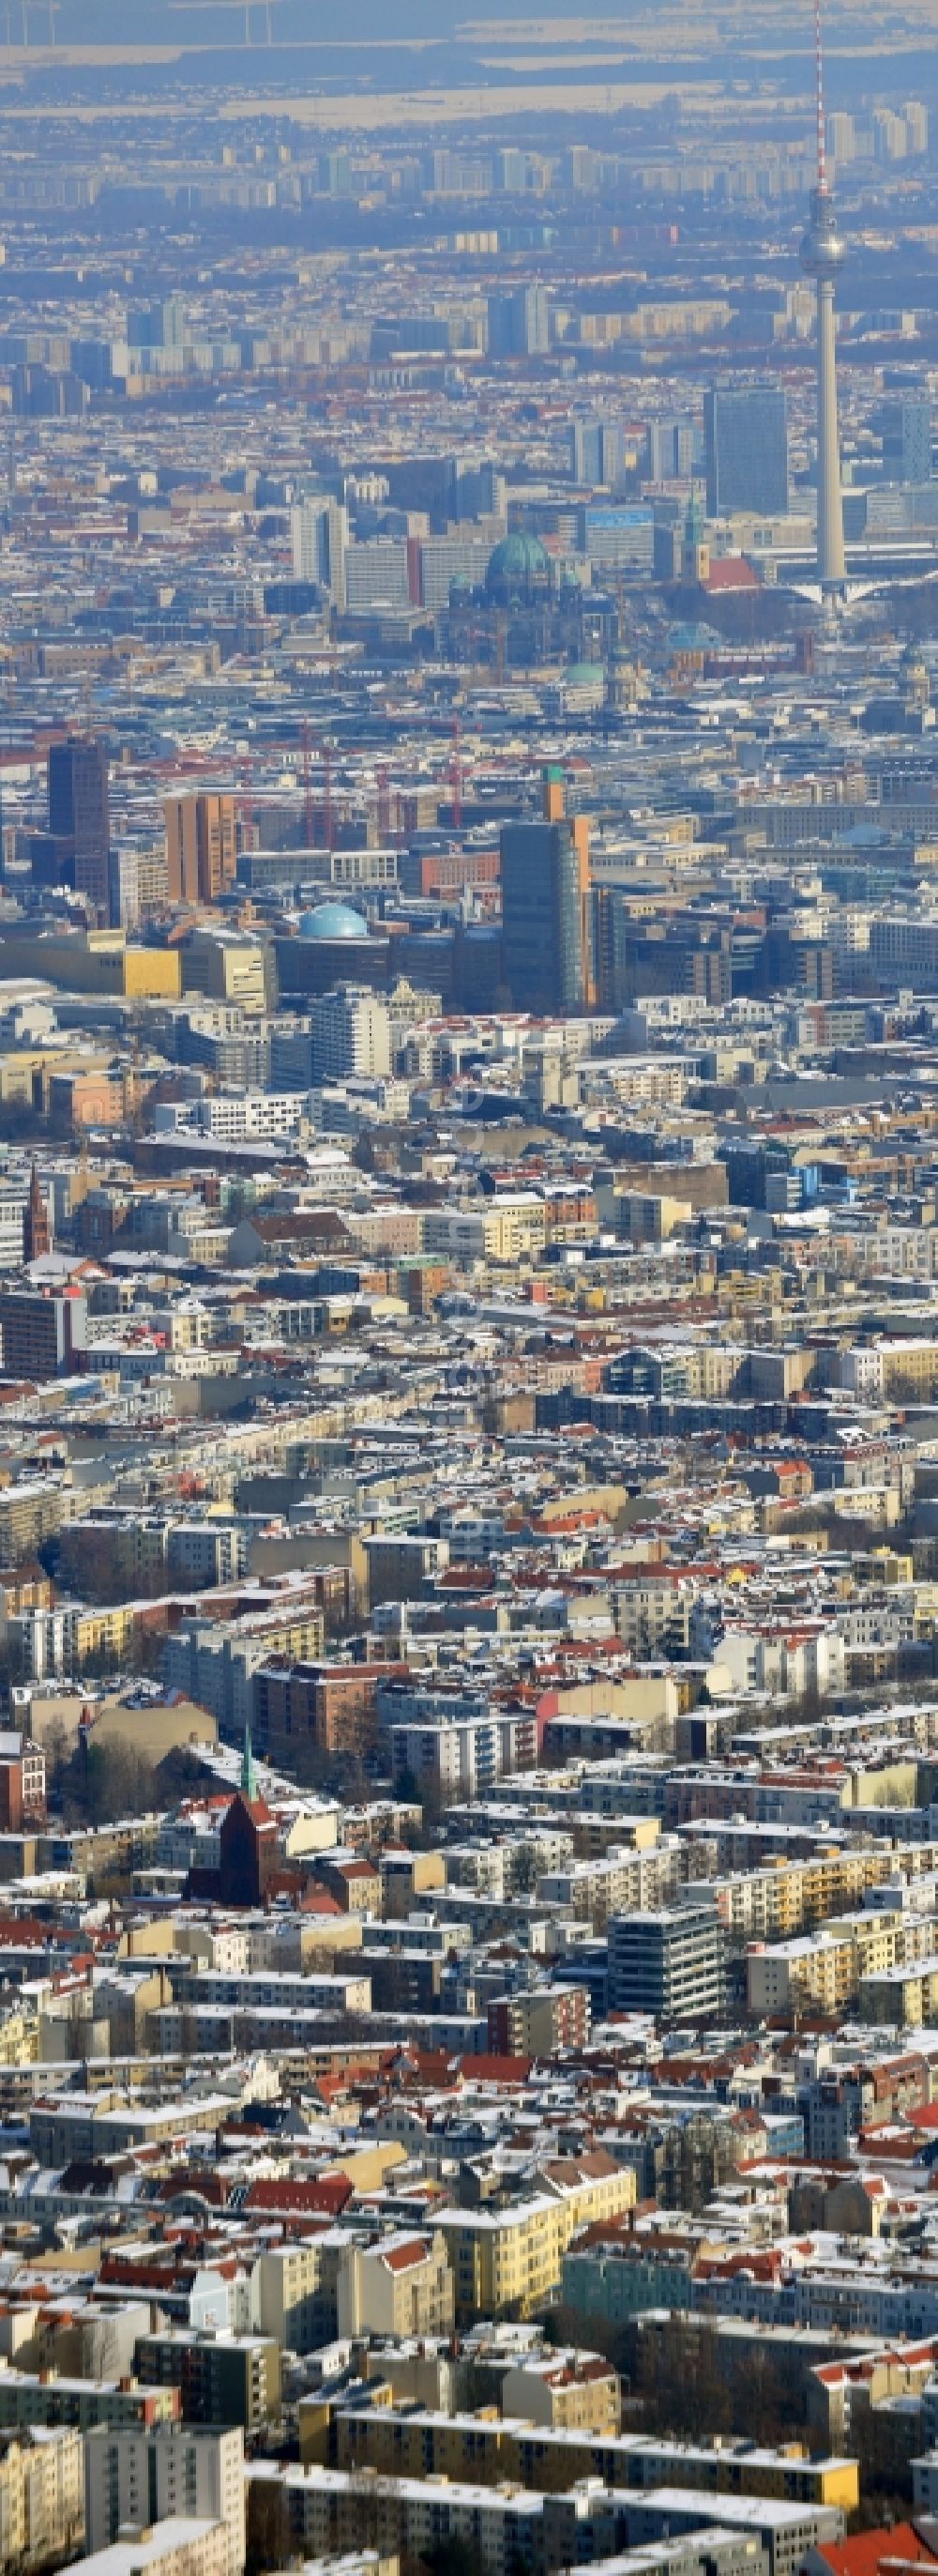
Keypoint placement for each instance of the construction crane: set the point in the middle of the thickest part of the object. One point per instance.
(214, 770)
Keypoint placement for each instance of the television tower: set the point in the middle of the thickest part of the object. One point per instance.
(822, 253)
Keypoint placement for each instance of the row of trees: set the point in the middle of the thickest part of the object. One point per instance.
(97, 1784)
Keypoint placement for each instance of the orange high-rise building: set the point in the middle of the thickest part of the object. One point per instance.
(201, 847)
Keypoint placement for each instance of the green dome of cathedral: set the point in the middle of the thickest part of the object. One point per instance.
(516, 562)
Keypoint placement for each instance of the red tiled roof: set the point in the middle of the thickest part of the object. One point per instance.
(498, 2070)
(402, 2258)
(327, 2193)
(731, 572)
(868, 2551)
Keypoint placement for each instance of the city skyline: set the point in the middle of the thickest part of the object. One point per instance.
(468, 1292)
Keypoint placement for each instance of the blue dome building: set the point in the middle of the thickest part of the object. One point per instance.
(332, 946)
(333, 921)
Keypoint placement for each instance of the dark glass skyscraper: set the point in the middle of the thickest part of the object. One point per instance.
(543, 915)
(746, 432)
(79, 810)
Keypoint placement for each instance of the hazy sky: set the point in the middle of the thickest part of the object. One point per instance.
(709, 37)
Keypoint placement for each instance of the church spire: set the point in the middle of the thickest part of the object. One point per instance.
(248, 1773)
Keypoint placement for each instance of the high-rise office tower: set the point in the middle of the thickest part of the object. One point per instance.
(511, 171)
(531, 309)
(79, 811)
(201, 847)
(672, 450)
(822, 253)
(916, 438)
(545, 908)
(480, 490)
(746, 436)
(319, 533)
(596, 451)
(158, 326)
(335, 173)
(519, 324)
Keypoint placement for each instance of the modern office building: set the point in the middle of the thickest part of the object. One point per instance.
(519, 325)
(545, 916)
(335, 173)
(230, 966)
(596, 451)
(670, 1964)
(201, 847)
(158, 326)
(673, 450)
(42, 1336)
(319, 536)
(916, 420)
(746, 438)
(382, 573)
(351, 1034)
(618, 536)
(79, 812)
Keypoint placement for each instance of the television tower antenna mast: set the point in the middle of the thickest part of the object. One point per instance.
(819, 88)
(822, 254)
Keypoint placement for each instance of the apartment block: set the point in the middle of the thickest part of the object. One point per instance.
(136, 2478)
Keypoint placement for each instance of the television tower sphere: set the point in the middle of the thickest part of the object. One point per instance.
(822, 249)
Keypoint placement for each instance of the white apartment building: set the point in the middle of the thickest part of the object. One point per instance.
(234, 1118)
(140, 2476)
(351, 1034)
(460, 1757)
(791, 1661)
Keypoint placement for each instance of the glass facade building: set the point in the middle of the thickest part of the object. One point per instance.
(542, 916)
(746, 436)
